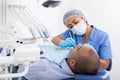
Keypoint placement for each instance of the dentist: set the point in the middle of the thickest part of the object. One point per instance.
(79, 31)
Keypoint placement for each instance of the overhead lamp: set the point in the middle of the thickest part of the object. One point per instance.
(51, 3)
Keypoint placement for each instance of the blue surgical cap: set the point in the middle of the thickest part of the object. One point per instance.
(73, 12)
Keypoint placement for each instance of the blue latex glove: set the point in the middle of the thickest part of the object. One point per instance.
(69, 42)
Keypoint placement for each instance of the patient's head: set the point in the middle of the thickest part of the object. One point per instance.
(83, 60)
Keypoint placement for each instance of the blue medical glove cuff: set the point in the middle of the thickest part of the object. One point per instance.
(69, 42)
(63, 44)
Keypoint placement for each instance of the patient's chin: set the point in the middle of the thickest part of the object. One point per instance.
(41, 52)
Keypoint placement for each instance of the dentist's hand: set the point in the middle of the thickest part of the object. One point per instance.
(69, 42)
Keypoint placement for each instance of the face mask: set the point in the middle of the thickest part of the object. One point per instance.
(79, 29)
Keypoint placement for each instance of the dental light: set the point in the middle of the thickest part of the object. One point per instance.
(51, 3)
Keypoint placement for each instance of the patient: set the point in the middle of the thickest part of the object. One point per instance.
(81, 60)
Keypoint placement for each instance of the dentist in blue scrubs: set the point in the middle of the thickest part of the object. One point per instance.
(79, 31)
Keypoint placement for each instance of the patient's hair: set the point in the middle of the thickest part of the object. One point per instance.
(88, 64)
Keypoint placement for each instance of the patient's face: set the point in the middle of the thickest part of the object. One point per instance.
(78, 50)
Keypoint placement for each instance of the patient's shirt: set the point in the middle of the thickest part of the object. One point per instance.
(47, 70)
(54, 53)
(51, 66)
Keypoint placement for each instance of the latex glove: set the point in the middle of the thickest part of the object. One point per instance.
(69, 42)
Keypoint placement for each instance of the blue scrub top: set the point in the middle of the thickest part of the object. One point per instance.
(97, 38)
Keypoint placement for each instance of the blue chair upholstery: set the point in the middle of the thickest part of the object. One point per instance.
(110, 65)
(1, 49)
(101, 75)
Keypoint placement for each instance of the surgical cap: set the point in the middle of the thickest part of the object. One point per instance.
(73, 12)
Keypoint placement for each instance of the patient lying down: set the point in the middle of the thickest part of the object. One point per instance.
(81, 60)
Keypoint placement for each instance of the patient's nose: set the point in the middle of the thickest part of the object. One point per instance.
(79, 45)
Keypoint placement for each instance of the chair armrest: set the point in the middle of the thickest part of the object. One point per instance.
(110, 65)
(101, 75)
(7, 61)
(11, 75)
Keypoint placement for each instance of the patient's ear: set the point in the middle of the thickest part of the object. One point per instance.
(72, 62)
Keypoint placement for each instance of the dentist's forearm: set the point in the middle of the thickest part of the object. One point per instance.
(56, 40)
(104, 63)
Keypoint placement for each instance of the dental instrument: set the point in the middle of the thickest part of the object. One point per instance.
(70, 34)
(31, 39)
(27, 18)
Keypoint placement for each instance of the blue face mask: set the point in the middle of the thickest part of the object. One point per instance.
(79, 29)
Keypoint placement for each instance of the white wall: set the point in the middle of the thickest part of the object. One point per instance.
(104, 14)
(0, 12)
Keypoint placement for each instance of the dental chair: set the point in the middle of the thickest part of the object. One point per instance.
(7, 61)
(1, 49)
(101, 75)
(9, 64)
